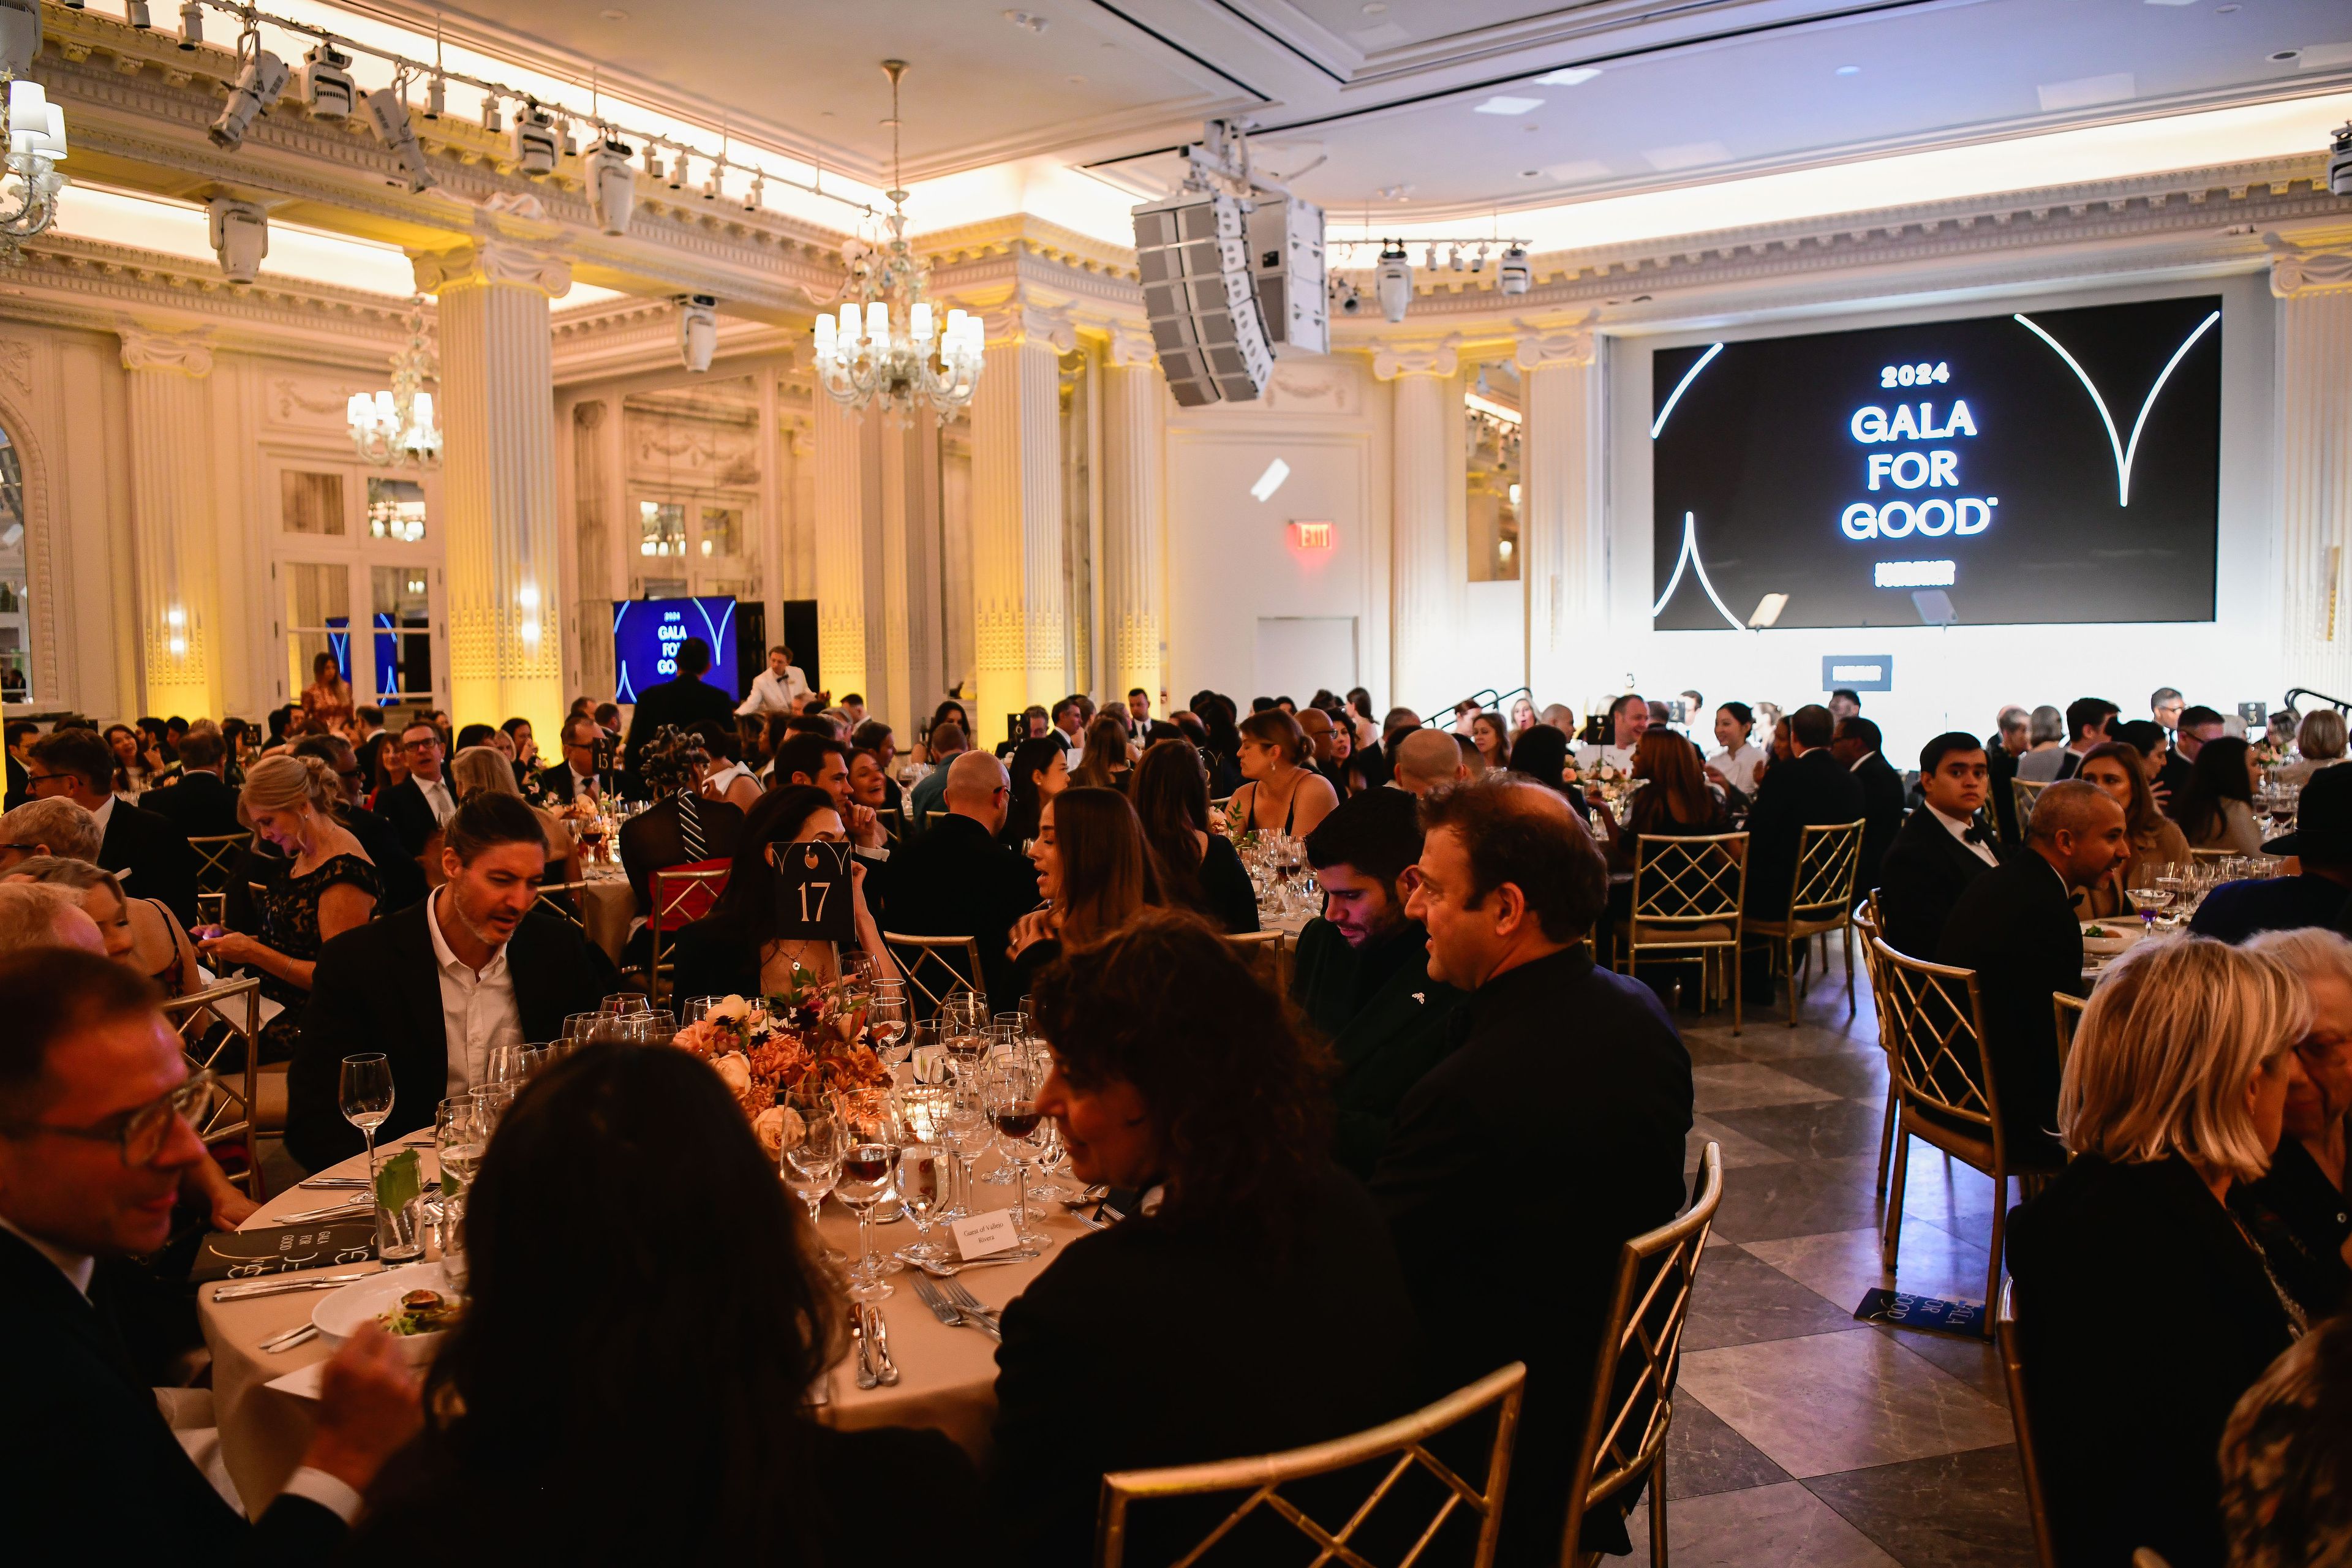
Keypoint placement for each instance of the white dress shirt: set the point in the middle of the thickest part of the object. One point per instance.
(1739, 766)
(437, 796)
(105, 813)
(477, 1007)
(1958, 829)
(583, 785)
(772, 695)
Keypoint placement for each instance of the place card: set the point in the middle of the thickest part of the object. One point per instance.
(982, 1234)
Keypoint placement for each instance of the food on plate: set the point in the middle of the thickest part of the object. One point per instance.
(2097, 931)
(420, 1312)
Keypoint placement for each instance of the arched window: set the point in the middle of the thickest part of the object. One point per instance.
(16, 582)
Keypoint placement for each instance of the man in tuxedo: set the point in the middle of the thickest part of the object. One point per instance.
(1140, 720)
(2086, 726)
(2321, 846)
(437, 986)
(1941, 847)
(2165, 705)
(58, 828)
(1857, 746)
(1811, 789)
(576, 777)
(94, 1146)
(1362, 974)
(201, 806)
(2015, 926)
(683, 700)
(20, 785)
(1563, 1079)
(151, 854)
(2198, 725)
(403, 877)
(779, 689)
(2008, 743)
(420, 803)
(957, 881)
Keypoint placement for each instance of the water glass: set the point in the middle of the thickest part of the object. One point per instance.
(812, 1166)
(400, 1232)
(886, 1026)
(364, 1090)
(926, 1179)
(460, 1132)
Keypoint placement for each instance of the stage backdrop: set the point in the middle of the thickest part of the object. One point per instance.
(2049, 465)
(647, 634)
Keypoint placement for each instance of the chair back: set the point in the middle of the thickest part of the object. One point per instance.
(2219, 852)
(933, 819)
(1639, 1355)
(2020, 1415)
(2024, 793)
(934, 967)
(1264, 952)
(894, 827)
(1827, 859)
(1865, 922)
(209, 1022)
(680, 895)
(1261, 1478)
(216, 856)
(1935, 1018)
(1687, 892)
(565, 899)
(2069, 1013)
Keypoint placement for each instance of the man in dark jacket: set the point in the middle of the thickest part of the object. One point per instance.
(1564, 1078)
(957, 881)
(1942, 847)
(683, 700)
(2321, 844)
(2015, 926)
(1857, 746)
(201, 804)
(1811, 789)
(1361, 976)
(403, 877)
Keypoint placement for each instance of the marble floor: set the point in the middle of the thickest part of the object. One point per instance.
(1802, 1438)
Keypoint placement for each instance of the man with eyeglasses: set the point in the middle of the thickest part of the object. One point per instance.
(78, 766)
(576, 777)
(95, 1138)
(956, 879)
(421, 802)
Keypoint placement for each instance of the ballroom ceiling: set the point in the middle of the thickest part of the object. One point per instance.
(1421, 107)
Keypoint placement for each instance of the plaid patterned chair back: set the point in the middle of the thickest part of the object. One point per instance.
(1828, 859)
(1639, 1356)
(2020, 1415)
(1935, 1018)
(1261, 1480)
(934, 967)
(210, 1022)
(680, 895)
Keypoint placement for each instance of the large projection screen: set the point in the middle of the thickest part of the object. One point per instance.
(647, 634)
(2048, 466)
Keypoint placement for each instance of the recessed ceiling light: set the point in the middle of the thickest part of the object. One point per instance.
(1504, 103)
(1848, 70)
(1374, 8)
(2224, 10)
(2285, 57)
(614, 15)
(1568, 76)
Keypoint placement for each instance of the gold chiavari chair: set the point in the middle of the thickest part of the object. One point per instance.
(566, 899)
(1821, 900)
(935, 967)
(894, 826)
(680, 895)
(932, 819)
(1634, 1376)
(1865, 921)
(2020, 1417)
(1267, 952)
(2214, 853)
(1943, 1078)
(2069, 1012)
(1263, 1478)
(2024, 793)
(209, 1022)
(1686, 897)
(216, 856)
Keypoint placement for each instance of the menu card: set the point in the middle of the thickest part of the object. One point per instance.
(244, 1254)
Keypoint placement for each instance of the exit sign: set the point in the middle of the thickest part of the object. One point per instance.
(1311, 535)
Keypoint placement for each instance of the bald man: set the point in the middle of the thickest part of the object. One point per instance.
(2015, 926)
(1426, 758)
(957, 881)
(38, 914)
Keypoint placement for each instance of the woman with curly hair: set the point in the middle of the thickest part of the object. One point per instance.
(1177, 1075)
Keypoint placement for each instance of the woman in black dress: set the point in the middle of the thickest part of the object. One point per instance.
(1040, 770)
(1094, 871)
(1197, 868)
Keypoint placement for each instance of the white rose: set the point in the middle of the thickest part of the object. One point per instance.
(730, 1010)
(736, 1068)
(778, 1127)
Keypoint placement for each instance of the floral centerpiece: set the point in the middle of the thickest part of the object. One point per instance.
(791, 1048)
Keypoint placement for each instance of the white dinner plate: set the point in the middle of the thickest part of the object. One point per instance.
(339, 1313)
(2124, 935)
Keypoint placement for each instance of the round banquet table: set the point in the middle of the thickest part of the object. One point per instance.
(947, 1375)
(607, 905)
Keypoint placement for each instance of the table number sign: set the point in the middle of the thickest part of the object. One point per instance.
(813, 892)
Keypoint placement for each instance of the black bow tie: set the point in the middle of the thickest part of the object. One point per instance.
(1976, 834)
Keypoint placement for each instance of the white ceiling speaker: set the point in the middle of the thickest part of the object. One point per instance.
(612, 185)
(1286, 241)
(1200, 292)
(697, 330)
(1392, 282)
(240, 237)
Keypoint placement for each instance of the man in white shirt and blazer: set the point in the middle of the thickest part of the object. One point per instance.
(779, 689)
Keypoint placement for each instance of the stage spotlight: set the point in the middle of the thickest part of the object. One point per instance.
(258, 86)
(326, 85)
(492, 120)
(1513, 276)
(612, 185)
(389, 112)
(534, 144)
(697, 330)
(2339, 162)
(241, 236)
(1392, 282)
(192, 26)
(135, 12)
(436, 97)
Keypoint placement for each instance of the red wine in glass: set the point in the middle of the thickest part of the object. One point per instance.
(869, 1163)
(1018, 1120)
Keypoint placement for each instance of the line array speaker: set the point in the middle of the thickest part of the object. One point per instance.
(1200, 294)
(1285, 240)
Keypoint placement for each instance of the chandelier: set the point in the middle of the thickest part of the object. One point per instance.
(34, 131)
(889, 348)
(393, 428)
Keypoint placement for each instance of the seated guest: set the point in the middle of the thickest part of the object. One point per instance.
(44, 914)
(421, 802)
(2148, 738)
(1542, 755)
(1489, 733)
(437, 985)
(1629, 719)
(2218, 812)
(2086, 726)
(2198, 725)
(2287, 1459)
(2321, 860)
(824, 763)
(1174, 1073)
(1426, 758)
(19, 731)
(1361, 978)
(2015, 926)
(947, 743)
(2318, 743)
(702, 1451)
(724, 777)
(2156, 840)
(1040, 770)
(1856, 745)
(95, 1143)
(1036, 724)
(2174, 1093)
(403, 878)
(880, 744)
(2297, 1210)
(575, 778)
(56, 827)
(138, 933)
(1197, 870)
(1565, 1079)
(1282, 792)
(1094, 871)
(733, 951)
(957, 881)
(680, 829)
(1328, 740)
(1105, 761)
(1811, 789)
(1734, 767)
(1941, 847)
(200, 805)
(483, 770)
(1675, 802)
(75, 765)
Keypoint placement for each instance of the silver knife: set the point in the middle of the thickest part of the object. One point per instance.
(307, 1217)
(878, 1332)
(867, 1376)
(280, 1287)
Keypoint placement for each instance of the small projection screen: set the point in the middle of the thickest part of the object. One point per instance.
(2047, 466)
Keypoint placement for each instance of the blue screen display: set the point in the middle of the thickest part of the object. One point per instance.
(647, 634)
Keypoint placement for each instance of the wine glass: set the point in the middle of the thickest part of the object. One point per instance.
(506, 1065)
(577, 1027)
(963, 1133)
(925, 1176)
(1012, 1094)
(459, 1137)
(365, 1092)
(966, 1039)
(812, 1166)
(698, 1008)
(621, 1004)
(886, 1026)
(873, 1135)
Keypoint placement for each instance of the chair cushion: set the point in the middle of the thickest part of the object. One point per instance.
(269, 1099)
(1653, 933)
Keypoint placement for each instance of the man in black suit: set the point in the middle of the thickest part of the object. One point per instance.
(2002, 750)
(201, 804)
(1811, 789)
(93, 1150)
(683, 700)
(422, 802)
(1941, 848)
(20, 786)
(957, 881)
(2015, 926)
(681, 829)
(437, 986)
(1139, 722)
(77, 765)
(576, 777)
(403, 877)
(2198, 725)
(1564, 1078)
(1857, 746)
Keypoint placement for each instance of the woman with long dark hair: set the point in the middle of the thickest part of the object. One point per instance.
(663, 1417)
(1040, 770)
(1197, 868)
(732, 950)
(2119, 768)
(1177, 1074)
(2218, 812)
(1490, 734)
(1223, 746)
(1094, 871)
(1284, 792)
(1675, 800)
(1106, 764)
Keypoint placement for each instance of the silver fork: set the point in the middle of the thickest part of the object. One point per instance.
(971, 1306)
(947, 1311)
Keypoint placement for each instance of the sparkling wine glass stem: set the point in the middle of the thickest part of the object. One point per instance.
(867, 1266)
(1021, 1196)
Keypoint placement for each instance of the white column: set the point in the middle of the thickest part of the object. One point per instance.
(593, 546)
(840, 547)
(172, 525)
(2315, 289)
(1019, 619)
(1426, 505)
(498, 410)
(1563, 556)
(1135, 514)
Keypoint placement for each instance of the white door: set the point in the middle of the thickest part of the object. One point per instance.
(1298, 654)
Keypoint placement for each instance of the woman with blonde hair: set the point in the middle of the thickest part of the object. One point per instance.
(330, 887)
(1284, 794)
(2145, 1307)
(2319, 743)
(478, 769)
(140, 933)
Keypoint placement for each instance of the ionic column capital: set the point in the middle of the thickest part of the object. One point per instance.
(187, 354)
(1132, 346)
(1020, 321)
(2297, 271)
(491, 261)
(1542, 345)
(1390, 360)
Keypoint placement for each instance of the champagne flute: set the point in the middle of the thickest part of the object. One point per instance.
(365, 1093)
(811, 1168)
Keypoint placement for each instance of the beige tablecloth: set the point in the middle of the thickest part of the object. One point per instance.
(606, 907)
(947, 1375)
